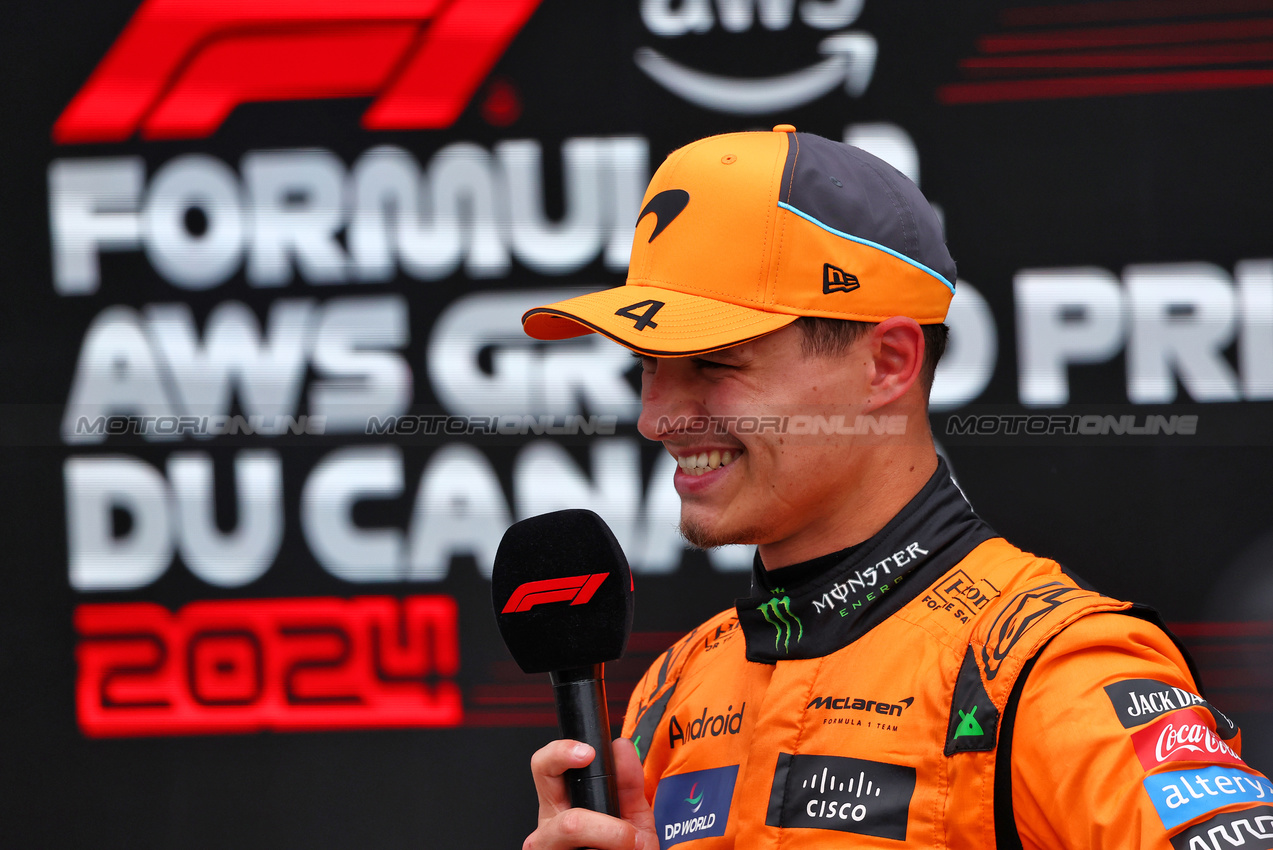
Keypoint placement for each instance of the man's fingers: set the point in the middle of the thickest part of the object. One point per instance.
(564, 828)
(631, 782)
(547, 766)
(583, 828)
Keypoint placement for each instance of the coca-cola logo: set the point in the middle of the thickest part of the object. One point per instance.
(1182, 736)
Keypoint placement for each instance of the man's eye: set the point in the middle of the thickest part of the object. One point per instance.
(712, 364)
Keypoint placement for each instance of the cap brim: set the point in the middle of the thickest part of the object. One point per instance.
(654, 321)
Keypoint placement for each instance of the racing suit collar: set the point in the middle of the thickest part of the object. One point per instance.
(826, 609)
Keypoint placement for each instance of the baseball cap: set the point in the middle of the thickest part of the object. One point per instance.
(741, 234)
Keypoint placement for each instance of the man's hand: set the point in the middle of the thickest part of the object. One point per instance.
(564, 828)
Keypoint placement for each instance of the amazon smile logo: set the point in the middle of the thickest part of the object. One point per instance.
(848, 57)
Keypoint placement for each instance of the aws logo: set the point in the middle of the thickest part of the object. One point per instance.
(848, 56)
(181, 66)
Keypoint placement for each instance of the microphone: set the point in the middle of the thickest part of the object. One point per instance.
(563, 601)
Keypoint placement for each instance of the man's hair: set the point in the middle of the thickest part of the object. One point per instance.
(834, 336)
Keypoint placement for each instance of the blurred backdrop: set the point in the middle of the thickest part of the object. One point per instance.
(267, 408)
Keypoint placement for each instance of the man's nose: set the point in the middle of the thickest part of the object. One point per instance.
(667, 394)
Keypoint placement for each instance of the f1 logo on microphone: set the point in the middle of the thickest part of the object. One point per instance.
(578, 589)
(181, 66)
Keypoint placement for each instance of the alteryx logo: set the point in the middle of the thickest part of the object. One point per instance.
(694, 805)
(181, 66)
(1182, 795)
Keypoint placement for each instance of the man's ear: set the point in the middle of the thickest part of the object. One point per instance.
(896, 348)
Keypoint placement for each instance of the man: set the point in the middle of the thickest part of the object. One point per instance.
(900, 675)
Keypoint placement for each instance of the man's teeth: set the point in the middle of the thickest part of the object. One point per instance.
(704, 462)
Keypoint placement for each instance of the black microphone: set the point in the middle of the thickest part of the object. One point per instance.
(563, 600)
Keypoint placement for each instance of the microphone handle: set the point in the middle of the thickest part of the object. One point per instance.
(583, 715)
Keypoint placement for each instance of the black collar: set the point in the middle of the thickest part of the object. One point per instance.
(830, 609)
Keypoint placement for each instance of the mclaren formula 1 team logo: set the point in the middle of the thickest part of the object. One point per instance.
(182, 66)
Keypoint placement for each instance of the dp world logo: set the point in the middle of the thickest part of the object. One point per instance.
(694, 805)
(778, 612)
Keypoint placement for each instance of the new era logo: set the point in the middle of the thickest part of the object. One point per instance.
(837, 280)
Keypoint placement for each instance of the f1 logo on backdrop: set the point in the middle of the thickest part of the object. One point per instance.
(181, 66)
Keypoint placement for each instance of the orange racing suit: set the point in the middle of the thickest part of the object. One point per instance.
(937, 687)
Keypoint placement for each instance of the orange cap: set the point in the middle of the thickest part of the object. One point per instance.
(741, 234)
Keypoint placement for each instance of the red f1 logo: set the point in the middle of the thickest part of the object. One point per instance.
(181, 66)
(578, 589)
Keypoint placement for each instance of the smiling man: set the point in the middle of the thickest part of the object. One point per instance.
(900, 674)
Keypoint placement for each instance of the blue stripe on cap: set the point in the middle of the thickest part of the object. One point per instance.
(829, 229)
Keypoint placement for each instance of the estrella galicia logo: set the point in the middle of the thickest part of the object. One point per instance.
(777, 612)
(844, 794)
(836, 279)
(694, 805)
(666, 206)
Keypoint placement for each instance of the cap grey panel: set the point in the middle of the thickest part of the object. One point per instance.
(852, 191)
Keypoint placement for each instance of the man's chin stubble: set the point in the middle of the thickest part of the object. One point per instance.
(701, 537)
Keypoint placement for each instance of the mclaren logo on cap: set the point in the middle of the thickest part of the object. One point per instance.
(837, 280)
(666, 206)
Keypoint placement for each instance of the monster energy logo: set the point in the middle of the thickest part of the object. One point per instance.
(777, 611)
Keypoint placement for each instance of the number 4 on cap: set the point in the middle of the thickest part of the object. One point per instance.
(643, 320)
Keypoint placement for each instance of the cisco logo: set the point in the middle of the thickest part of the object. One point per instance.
(844, 794)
